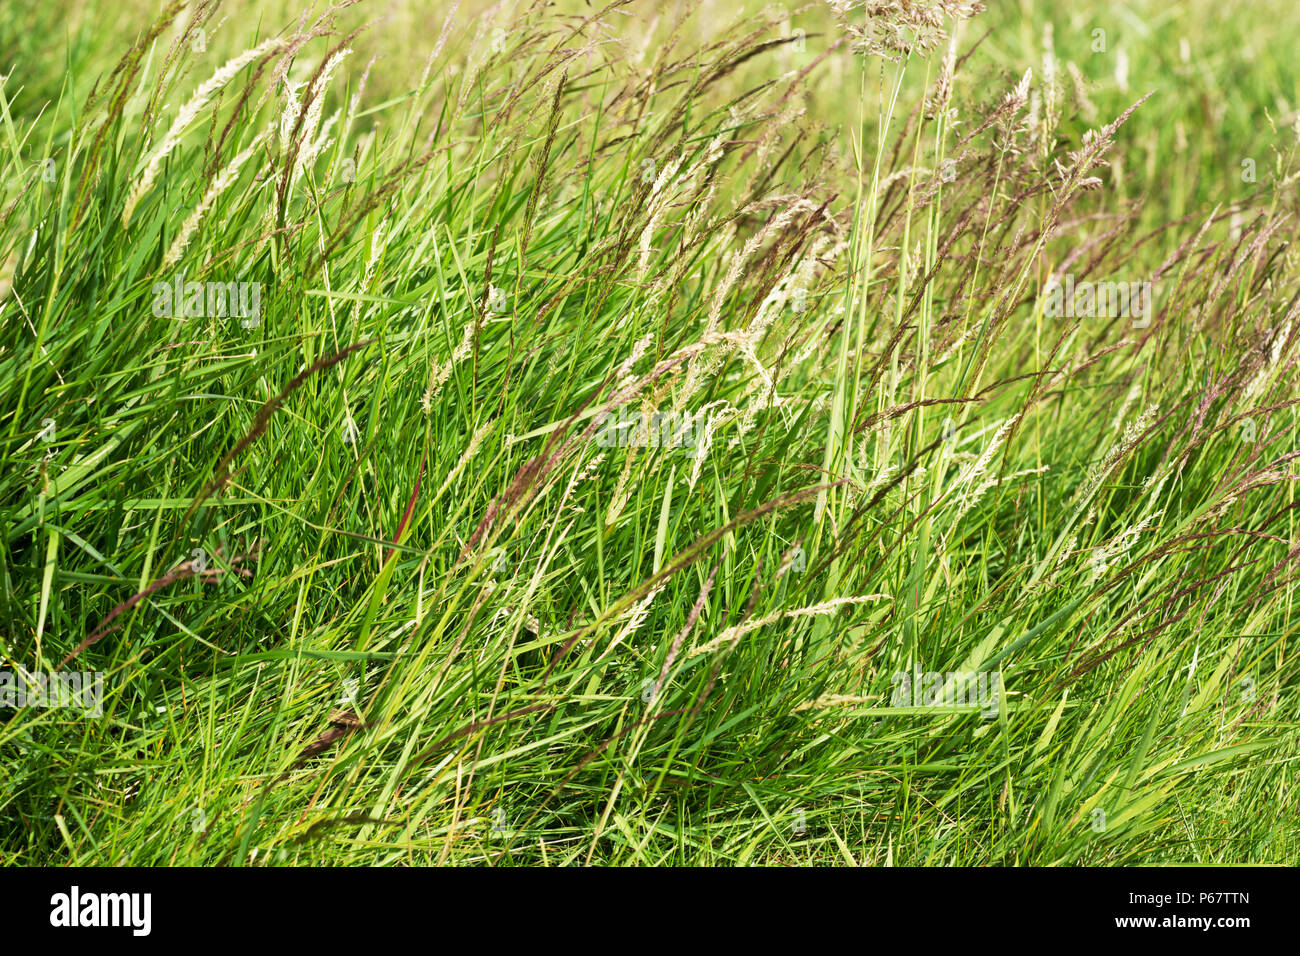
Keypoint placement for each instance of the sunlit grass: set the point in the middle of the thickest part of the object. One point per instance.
(369, 578)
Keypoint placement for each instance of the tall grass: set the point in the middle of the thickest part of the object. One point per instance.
(372, 580)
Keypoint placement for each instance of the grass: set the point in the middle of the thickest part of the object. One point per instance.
(371, 580)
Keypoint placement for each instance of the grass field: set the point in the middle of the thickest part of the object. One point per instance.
(650, 433)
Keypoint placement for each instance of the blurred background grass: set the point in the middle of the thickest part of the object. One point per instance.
(1223, 74)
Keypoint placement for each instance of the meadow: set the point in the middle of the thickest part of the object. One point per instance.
(649, 433)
